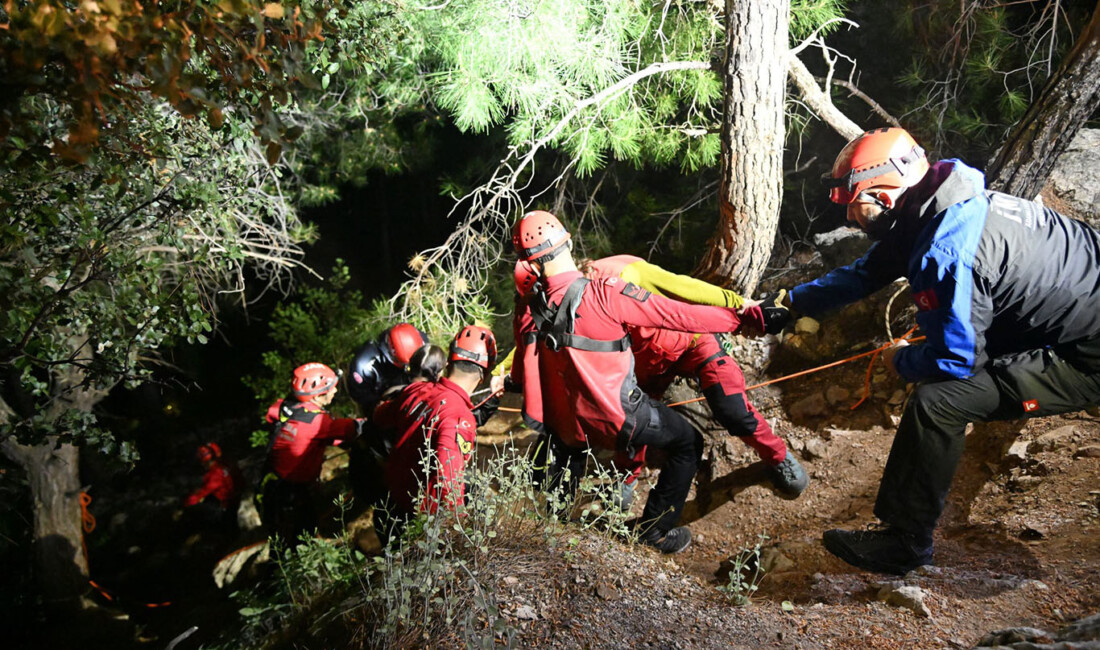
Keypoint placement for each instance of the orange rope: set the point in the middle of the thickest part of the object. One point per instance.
(86, 518)
(867, 385)
(807, 372)
(871, 365)
(87, 522)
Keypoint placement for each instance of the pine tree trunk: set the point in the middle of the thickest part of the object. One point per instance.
(1072, 94)
(752, 144)
(54, 478)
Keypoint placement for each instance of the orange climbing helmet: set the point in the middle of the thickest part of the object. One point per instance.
(538, 236)
(526, 277)
(209, 452)
(475, 344)
(313, 379)
(880, 158)
(400, 342)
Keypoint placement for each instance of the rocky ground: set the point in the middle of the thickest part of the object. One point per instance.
(1019, 544)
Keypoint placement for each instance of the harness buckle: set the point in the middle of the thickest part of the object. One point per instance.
(552, 343)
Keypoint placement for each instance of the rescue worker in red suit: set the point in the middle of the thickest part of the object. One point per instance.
(378, 367)
(303, 429)
(661, 355)
(434, 417)
(221, 485)
(574, 362)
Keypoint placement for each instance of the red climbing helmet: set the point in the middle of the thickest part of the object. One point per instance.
(313, 379)
(526, 277)
(475, 344)
(538, 236)
(400, 342)
(209, 452)
(880, 158)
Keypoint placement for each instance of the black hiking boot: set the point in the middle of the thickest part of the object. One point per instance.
(788, 477)
(883, 549)
(673, 541)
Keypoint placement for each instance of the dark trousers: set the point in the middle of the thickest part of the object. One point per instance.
(550, 459)
(670, 432)
(931, 434)
(288, 509)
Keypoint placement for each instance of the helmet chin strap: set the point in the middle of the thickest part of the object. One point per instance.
(880, 224)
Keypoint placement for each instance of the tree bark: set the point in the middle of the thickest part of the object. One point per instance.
(1072, 94)
(753, 134)
(54, 478)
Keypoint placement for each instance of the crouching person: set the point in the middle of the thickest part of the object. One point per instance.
(434, 418)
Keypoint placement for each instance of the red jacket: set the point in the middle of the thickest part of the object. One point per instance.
(222, 481)
(655, 350)
(588, 397)
(428, 415)
(299, 447)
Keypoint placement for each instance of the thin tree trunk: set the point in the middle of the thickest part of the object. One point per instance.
(752, 143)
(54, 478)
(1072, 94)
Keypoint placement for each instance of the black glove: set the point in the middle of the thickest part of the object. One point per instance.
(776, 315)
(511, 385)
(486, 410)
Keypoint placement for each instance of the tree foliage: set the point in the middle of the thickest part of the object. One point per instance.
(978, 65)
(103, 264)
(100, 59)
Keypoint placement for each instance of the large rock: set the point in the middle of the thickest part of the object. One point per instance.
(808, 407)
(841, 246)
(1083, 634)
(1074, 185)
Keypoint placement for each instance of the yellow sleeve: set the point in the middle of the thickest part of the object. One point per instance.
(505, 366)
(681, 287)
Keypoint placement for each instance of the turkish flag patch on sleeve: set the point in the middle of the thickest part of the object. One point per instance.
(926, 300)
(1031, 405)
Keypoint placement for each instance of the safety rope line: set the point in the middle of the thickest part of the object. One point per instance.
(866, 388)
(871, 365)
(87, 524)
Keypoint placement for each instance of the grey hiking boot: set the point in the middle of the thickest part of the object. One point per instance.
(883, 549)
(789, 478)
(673, 541)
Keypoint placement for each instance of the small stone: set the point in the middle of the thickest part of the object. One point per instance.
(525, 613)
(511, 581)
(1017, 451)
(907, 596)
(772, 560)
(1090, 451)
(607, 591)
(815, 449)
(835, 395)
(806, 325)
(897, 398)
(1025, 483)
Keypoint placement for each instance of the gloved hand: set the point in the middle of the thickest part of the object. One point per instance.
(486, 410)
(777, 315)
(511, 385)
(752, 321)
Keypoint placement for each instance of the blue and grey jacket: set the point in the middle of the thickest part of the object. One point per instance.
(991, 275)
